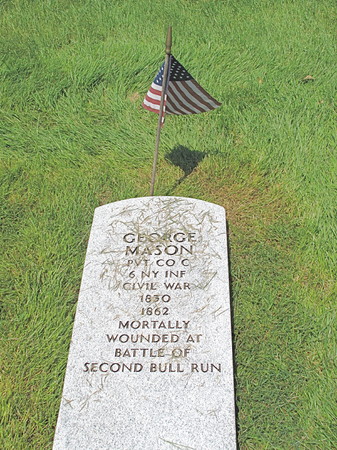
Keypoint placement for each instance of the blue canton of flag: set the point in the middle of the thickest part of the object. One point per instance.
(183, 95)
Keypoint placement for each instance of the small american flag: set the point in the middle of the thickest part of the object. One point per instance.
(183, 95)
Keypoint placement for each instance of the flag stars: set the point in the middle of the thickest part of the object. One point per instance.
(177, 73)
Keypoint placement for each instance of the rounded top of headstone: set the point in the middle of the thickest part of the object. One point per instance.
(169, 201)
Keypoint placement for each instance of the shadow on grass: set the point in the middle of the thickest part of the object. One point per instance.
(184, 158)
(235, 368)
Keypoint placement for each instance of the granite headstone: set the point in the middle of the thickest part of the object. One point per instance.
(150, 363)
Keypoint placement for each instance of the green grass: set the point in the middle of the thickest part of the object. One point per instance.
(73, 136)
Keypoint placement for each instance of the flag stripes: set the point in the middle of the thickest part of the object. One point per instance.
(183, 95)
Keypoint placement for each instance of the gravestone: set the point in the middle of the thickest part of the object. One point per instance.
(150, 363)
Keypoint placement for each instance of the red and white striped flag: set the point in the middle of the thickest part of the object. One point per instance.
(183, 94)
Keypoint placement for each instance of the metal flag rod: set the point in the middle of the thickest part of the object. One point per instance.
(162, 99)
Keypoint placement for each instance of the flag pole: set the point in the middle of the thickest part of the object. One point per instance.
(162, 99)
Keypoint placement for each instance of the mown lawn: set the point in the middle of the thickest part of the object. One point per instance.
(74, 136)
